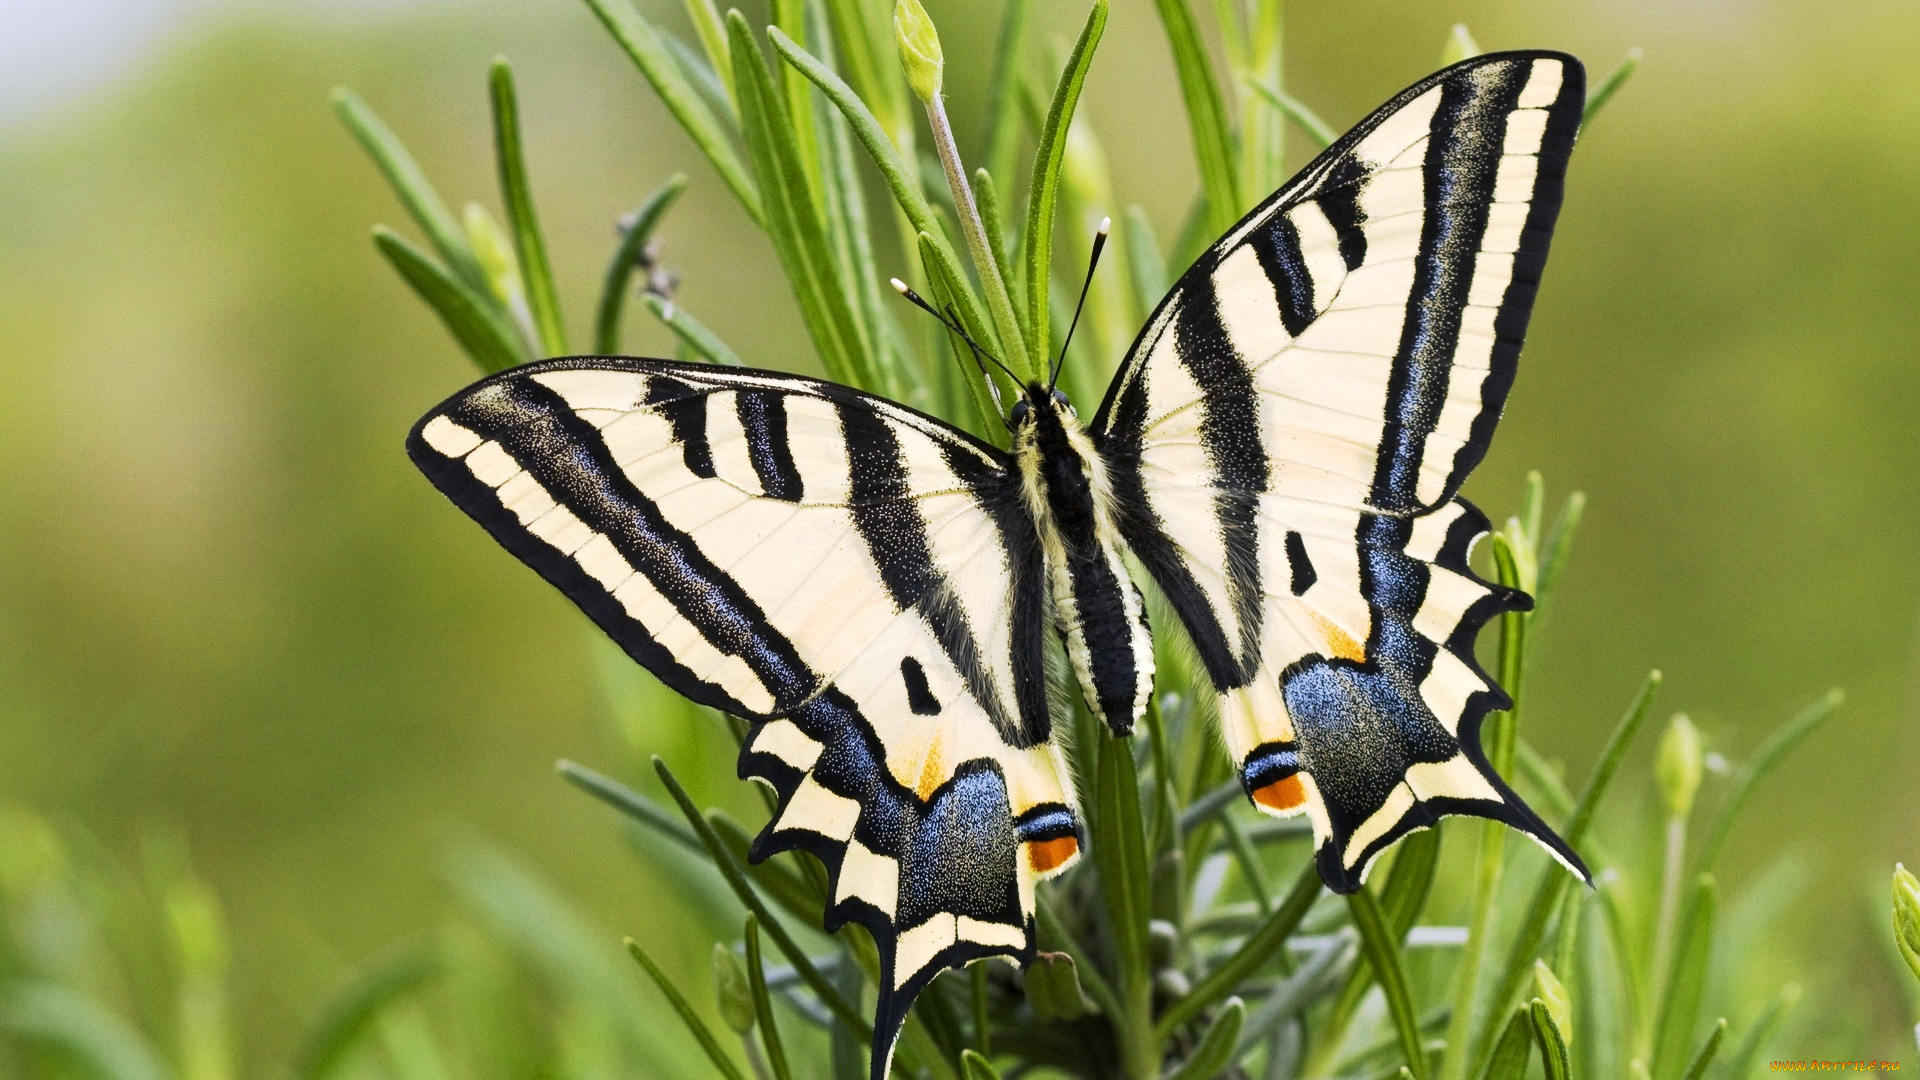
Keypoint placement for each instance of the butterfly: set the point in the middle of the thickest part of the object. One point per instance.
(1280, 451)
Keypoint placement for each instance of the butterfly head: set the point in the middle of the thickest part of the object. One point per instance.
(1036, 400)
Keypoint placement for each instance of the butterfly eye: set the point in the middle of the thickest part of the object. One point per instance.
(1020, 410)
(1060, 399)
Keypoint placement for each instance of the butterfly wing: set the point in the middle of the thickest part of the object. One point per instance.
(1288, 434)
(848, 575)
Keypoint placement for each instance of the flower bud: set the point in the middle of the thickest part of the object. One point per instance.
(919, 49)
(731, 987)
(1906, 916)
(1679, 765)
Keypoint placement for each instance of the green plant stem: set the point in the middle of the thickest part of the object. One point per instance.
(1013, 350)
(1383, 951)
(535, 271)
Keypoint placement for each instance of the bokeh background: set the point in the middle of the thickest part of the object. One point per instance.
(228, 604)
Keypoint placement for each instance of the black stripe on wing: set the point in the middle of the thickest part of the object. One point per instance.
(1464, 148)
(544, 435)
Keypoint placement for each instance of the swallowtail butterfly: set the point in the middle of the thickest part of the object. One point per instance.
(1281, 451)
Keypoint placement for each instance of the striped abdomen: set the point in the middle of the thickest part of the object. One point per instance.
(1097, 607)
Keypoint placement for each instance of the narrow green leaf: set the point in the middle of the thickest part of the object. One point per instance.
(705, 17)
(1686, 982)
(692, 331)
(629, 802)
(56, 1015)
(1383, 952)
(763, 1004)
(1762, 761)
(1553, 878)
(1215, 1051)
(698, 1027)
(871, 65)
(895, 167)
(1044, 189)
(975, 1067)
(1408, 885)
(793, 220)
(777, 880)
(1545, 778)
(410, 183)
(699, 74)
(849, 227)
(1598, 97)
(1145, 263)
(643, 46)
(475, 323)
(1120, 853)
(1206, 116)
(1555, 546)
(1317, 131)
(1703, 1058)
(1252, 954)
(730, 869)
(790, 17)
(1553, 1048)
(1003, 89)
(986, 195)
(633, 242)
(1739, 1064)
(1510, 1054)
(350, 1013)
(1261, 141)
(535, 272)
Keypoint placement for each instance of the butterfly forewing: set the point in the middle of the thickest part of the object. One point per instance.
(847, 574)
(1288, 434)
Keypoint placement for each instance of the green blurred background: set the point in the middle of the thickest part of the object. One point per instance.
(227, 601)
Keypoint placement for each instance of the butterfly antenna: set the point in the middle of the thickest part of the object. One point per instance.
(1093, 261)
(952, 322)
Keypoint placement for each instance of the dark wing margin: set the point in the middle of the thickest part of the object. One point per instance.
(843, 572)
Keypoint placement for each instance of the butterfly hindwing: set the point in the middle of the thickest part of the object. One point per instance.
(844, 573)
(1288, 434)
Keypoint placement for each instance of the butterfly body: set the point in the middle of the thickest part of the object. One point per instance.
(1098, 611)
(1279, 457)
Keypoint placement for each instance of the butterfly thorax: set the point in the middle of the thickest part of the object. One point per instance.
(1096, 606)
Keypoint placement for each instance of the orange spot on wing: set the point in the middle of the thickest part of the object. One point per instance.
(1049, 855)
(1339, 642)
(1284, 794)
